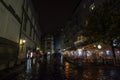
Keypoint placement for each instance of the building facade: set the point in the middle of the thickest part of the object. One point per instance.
(49, 44)
(79, 20)
(19, 31)
(74, 29)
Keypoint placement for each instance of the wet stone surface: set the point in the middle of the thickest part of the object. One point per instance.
(66, 71)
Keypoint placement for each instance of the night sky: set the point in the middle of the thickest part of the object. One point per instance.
(54, 13)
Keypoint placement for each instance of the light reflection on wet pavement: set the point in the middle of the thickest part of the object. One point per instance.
(68, 71)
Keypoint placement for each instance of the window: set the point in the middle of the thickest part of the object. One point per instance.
(26, 5)
(84, 5)
(34, 35)
(30, 30)
(48, 43)
(24, 23)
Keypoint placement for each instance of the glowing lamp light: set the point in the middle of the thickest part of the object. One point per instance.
(64, 49)
(94, 45)
(37, 48)
(22, 41)
(48, 53)
(99, 46)
(80, 52)
(92, 6)
(108, 52)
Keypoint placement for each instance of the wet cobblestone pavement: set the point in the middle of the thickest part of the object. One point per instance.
(67, 71)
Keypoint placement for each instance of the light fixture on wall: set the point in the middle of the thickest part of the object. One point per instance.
(22, 42)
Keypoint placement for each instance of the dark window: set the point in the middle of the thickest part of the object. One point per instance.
(25, 23)
(26, 7)
(48, 43)
(34, 35)
(30, 30)
(48, 47)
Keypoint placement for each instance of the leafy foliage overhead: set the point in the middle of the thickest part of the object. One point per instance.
(104, 21)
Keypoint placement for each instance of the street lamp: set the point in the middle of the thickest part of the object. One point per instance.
(99, 46)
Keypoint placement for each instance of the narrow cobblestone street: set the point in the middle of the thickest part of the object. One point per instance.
(66, 71)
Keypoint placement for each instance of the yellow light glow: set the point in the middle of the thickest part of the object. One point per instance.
(66, 64)
(94, 45)
(20, 41)
(24, 41)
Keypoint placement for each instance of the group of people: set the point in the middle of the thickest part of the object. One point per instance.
(36, 56)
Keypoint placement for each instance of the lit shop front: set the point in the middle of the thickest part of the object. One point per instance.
(93, 52)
